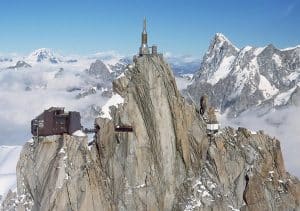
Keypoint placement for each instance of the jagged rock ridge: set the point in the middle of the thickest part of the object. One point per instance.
(239, 79)
(167, 162)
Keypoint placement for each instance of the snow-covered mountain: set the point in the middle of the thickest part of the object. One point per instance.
(44, 55)
(240, 79)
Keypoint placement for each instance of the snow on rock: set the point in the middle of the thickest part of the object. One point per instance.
(194, 204)
(140, 186)
(188, 75)
(257, 51)
(232, 208)
(267, 89)
(79, 133)
(291, 48)
(62, 151)
(121, 75)
(245, 75)
(244, 50)
(115, 100)
(222, 71)
(223, 39)
(182, 82)
(201, 193)
(293, 76)
(9, 156)
(283, 98)
(30, 141)
(277, 60)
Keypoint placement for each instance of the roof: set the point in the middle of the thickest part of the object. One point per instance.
(56, 108)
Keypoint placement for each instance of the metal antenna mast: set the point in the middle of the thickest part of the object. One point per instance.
(145, 26)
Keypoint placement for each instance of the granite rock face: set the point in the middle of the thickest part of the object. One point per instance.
(56, 173)
(167, 163)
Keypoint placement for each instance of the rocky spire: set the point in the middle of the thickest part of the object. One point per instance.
(145, 26)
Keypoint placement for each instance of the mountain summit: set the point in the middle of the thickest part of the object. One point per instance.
(221, 40)
(239, 79)
(214, 67)
(43, 55)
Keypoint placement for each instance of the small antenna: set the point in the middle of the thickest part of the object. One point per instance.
(145, 25)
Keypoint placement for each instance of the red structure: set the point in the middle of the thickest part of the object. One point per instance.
(55, 121)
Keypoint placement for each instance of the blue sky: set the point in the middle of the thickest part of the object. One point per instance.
(177, 26)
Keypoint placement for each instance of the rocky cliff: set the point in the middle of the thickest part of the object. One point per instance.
(166, 163)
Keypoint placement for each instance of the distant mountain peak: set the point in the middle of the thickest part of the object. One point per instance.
(20, 64)
(270, 46)
(221, 37)
(99, 70)
(220, 45)
(220, 40)
(43, 54)
(42, 51)
(252, 76)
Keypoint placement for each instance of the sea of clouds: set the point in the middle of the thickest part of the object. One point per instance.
(26, 92)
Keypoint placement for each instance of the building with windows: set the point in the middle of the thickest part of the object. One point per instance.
(55, 121)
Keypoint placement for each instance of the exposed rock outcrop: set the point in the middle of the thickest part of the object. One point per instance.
(20, 64)
(167, 163)
(99, 70)
(57, 173)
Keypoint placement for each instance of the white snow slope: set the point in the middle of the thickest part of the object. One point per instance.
(9, 156)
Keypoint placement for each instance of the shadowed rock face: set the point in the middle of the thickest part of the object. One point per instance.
(99, 70)
(166, 163)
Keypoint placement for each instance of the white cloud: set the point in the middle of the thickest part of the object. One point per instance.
(18, 106)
